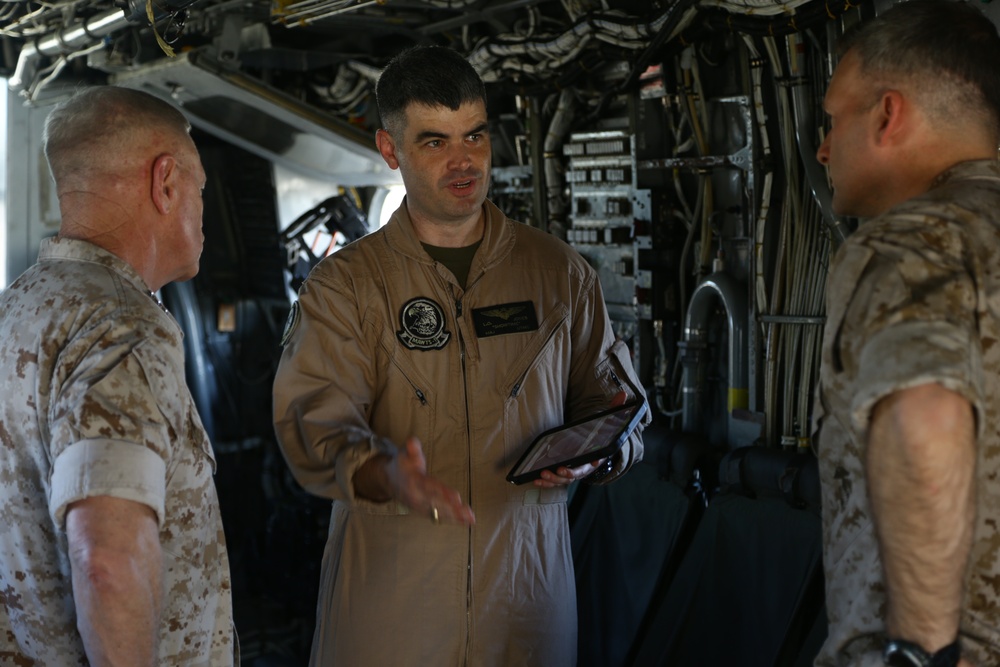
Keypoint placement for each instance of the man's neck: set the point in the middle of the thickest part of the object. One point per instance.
(459, 234)
(916, 170)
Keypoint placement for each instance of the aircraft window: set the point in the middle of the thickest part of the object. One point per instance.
(316, 218)
(385, 202)
(298, 194)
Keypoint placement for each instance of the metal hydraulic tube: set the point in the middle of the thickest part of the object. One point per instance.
(805, 124)
(695, 340)
(815, 175)
(182, 301)
(76, 37)
(64, 42)
(555, 181)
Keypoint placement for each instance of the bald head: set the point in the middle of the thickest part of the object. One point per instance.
(101, 130)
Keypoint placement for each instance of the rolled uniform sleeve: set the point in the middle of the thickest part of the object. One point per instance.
(109, 437)
(912, 319)
(107, 468)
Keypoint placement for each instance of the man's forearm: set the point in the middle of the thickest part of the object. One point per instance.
(371, 480)
(921, 461)
(118, 616)
(117, 576)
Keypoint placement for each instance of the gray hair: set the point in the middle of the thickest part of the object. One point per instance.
(104, 123)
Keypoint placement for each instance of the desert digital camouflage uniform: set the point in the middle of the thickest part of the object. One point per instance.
(913, 298)
(95, 403)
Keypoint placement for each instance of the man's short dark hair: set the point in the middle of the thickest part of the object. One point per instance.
(428, 75)
(948, 46)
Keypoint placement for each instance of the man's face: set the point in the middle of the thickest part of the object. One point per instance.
(188, 237)
(847, 151)
(444, 158)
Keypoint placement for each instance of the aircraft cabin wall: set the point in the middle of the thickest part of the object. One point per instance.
(671, 143)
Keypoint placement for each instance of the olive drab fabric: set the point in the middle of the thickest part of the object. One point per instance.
(914, 298)
(95, 403)
(386, 342)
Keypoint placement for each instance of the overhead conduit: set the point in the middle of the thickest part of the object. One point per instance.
(63, 43)
(75, 38)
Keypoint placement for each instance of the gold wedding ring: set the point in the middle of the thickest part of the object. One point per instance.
(435, 517)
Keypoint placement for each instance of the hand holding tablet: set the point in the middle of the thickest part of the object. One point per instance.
(578, 442)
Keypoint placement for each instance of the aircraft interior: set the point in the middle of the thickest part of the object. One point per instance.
(670, 142)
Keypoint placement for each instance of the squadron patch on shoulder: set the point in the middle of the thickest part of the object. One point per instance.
(422, 321)
(291, 323)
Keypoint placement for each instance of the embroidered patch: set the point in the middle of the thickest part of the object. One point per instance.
(291, 323)
(422, 322)
(506, 318)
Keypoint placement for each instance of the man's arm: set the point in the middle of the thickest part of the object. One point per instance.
(114, 550)
(404, 478)
(921, 463)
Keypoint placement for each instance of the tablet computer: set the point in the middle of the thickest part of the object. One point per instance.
(578, 442)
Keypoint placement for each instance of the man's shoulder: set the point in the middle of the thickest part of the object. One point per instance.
(533, 242)
(928, 219)
(80, 291)
(354, 259)
(967, 193)
(954, 218)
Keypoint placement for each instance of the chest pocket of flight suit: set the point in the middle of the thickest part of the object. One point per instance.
(533, 385)
(406, 400)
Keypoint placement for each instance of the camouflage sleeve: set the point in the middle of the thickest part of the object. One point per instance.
(911, 318)
(108, 434)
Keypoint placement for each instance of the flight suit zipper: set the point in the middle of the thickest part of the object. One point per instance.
(468, 490)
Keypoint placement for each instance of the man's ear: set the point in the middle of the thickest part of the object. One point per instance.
(163, 189)
(892, 117)
(387, 148)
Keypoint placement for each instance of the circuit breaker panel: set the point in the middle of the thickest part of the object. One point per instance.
(607, 209)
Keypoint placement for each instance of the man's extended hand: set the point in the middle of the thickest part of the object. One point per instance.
(404, 478)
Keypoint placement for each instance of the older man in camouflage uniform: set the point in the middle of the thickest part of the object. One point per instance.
(909, 398)
(112, 550)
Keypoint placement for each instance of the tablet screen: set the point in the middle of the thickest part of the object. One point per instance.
(579, 442)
